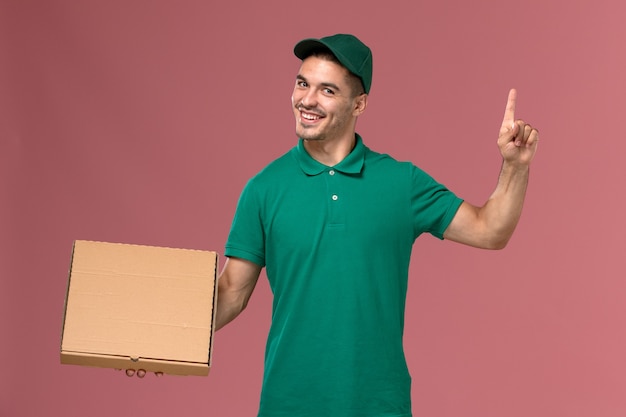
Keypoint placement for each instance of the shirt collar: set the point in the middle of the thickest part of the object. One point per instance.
(351, 164)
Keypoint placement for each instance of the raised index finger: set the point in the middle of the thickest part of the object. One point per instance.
(509, 112)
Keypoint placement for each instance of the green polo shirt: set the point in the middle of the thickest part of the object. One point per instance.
(336, 243)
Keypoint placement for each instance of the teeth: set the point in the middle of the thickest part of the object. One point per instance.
(310, 116)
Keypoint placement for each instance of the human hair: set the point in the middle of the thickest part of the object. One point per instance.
(356, 85)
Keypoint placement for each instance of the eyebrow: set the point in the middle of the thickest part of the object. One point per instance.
(331, 85)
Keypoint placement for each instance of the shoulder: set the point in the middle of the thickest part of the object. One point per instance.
(280, 167)
(402, 176)
(385, 163)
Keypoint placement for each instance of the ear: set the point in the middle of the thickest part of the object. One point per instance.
(360, 104)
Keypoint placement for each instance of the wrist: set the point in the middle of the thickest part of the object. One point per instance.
(515, 166)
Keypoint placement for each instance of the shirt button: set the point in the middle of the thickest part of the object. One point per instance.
(335, 197)
(331, 172)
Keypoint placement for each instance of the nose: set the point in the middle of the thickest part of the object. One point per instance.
(308, 99)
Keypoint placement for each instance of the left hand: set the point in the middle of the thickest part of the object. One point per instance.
(517, 140)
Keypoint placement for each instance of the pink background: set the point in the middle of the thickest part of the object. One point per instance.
(140, 122)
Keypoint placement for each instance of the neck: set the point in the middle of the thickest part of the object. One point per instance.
(330, 152)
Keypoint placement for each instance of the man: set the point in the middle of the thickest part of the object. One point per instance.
(334, 223)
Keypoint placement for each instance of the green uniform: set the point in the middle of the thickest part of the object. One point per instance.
(336, 243)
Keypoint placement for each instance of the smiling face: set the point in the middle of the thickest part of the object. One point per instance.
(325, 104)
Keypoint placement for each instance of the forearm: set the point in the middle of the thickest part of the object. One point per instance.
(235, 286)
(492, 225)
(229, 306)
(502, 211)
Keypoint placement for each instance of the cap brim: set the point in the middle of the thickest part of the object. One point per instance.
(305, 47)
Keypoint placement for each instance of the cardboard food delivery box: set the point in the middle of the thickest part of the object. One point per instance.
(140, 307)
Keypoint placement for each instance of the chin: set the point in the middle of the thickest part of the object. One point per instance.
(306, 135)
(313, 138)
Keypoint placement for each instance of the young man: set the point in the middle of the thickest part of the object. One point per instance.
(334, 223)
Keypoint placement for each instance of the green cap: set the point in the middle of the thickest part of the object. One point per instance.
(349, 50)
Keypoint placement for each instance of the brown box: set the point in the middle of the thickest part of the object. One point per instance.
(140, 307)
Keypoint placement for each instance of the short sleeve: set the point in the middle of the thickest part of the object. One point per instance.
(247, 238)
(433, 206)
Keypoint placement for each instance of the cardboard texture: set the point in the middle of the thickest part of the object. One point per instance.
(140, 307)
